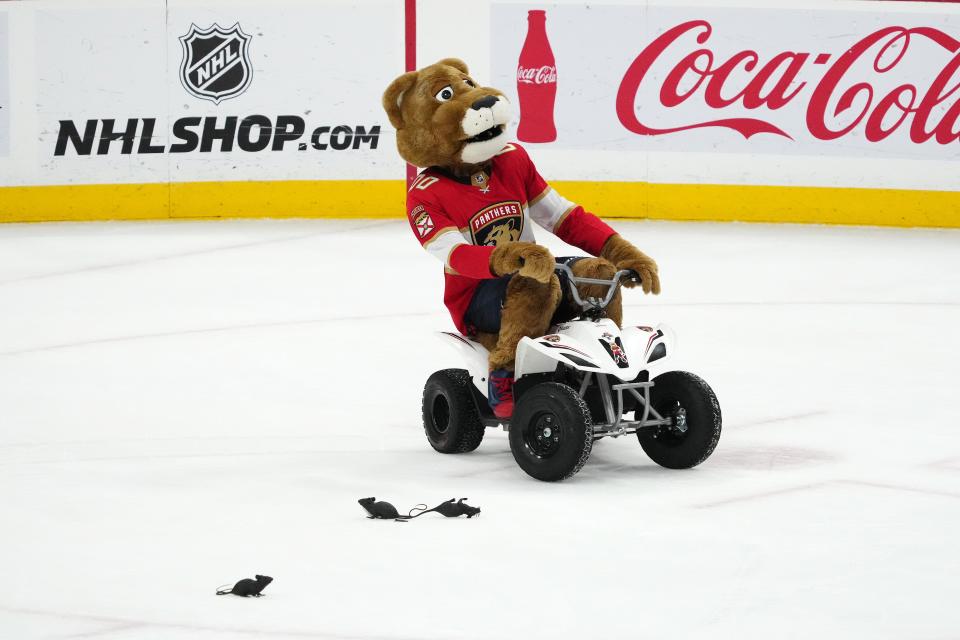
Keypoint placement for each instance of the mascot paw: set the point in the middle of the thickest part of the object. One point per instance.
(528, 259)
(597, 268)
(626, 256)
(649, 278)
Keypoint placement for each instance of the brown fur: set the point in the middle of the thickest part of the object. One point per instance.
(527, 259)
(604, 270)
(428, 131)
(626, 256)
(429, 134)
(527, 311)
(541, 308)
(591, 268)
(488, 340)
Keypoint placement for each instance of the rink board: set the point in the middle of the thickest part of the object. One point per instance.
(384, 199)
(101, 123)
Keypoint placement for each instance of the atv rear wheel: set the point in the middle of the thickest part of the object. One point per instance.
(695, 415)
(450, 417)
(551, 433)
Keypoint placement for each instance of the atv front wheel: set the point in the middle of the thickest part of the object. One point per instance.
(450, 417)
(694, 412)
(551, 434)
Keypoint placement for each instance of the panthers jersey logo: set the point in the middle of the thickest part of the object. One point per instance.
(497, 224)
(502, 233)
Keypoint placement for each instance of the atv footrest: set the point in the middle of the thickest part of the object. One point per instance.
(496, 422)
(616, 426)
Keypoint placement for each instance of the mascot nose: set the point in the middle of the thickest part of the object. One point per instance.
(484, 103)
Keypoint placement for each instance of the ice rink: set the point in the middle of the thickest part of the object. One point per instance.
(184, 404)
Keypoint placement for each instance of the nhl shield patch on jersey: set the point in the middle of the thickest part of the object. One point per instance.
(423, 223)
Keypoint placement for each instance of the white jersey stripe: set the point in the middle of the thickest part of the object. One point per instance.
(442, 245)
(547, 209)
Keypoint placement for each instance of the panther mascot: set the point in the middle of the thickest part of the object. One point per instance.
(472, 207)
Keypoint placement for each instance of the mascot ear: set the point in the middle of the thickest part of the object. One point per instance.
(456, 63)
(394, 95)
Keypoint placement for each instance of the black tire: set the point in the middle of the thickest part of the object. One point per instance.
(450, 417)
(566, 447)
(668, 446)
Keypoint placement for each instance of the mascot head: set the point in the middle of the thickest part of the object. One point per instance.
(443, 118)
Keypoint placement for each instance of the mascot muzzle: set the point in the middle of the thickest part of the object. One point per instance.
(485, 123)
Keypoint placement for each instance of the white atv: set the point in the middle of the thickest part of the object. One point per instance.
(576, 385)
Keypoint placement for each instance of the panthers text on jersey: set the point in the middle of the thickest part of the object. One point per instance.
(462, 220)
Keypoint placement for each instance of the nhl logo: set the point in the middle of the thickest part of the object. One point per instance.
(216, 62)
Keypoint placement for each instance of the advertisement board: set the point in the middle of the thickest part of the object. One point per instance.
(823, 111)
(4, 87)
(741, 80)
(171, 108)
(207, 93)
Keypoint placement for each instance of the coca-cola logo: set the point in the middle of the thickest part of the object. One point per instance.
(836, 104)
(546, 74)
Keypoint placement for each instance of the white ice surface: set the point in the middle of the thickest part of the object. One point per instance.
(186, 404)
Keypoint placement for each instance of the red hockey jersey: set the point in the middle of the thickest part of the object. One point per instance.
(461, 221)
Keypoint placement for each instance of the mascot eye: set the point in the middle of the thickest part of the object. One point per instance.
(470, 83)
(444, 94)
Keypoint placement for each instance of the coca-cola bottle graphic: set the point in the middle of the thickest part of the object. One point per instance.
(536, 82)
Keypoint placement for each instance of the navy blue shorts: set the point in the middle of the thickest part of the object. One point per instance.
(485, 308)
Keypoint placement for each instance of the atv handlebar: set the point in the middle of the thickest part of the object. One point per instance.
(613, 285)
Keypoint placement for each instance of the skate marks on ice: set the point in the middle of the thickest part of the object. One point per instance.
(776, 419)
(64, 625)
(606, 465)
(144, 457)
(827, 485)
(222, 329)
(946, 464)
(79, 270)
(819, 502)
(800, 303)
(769, 458)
